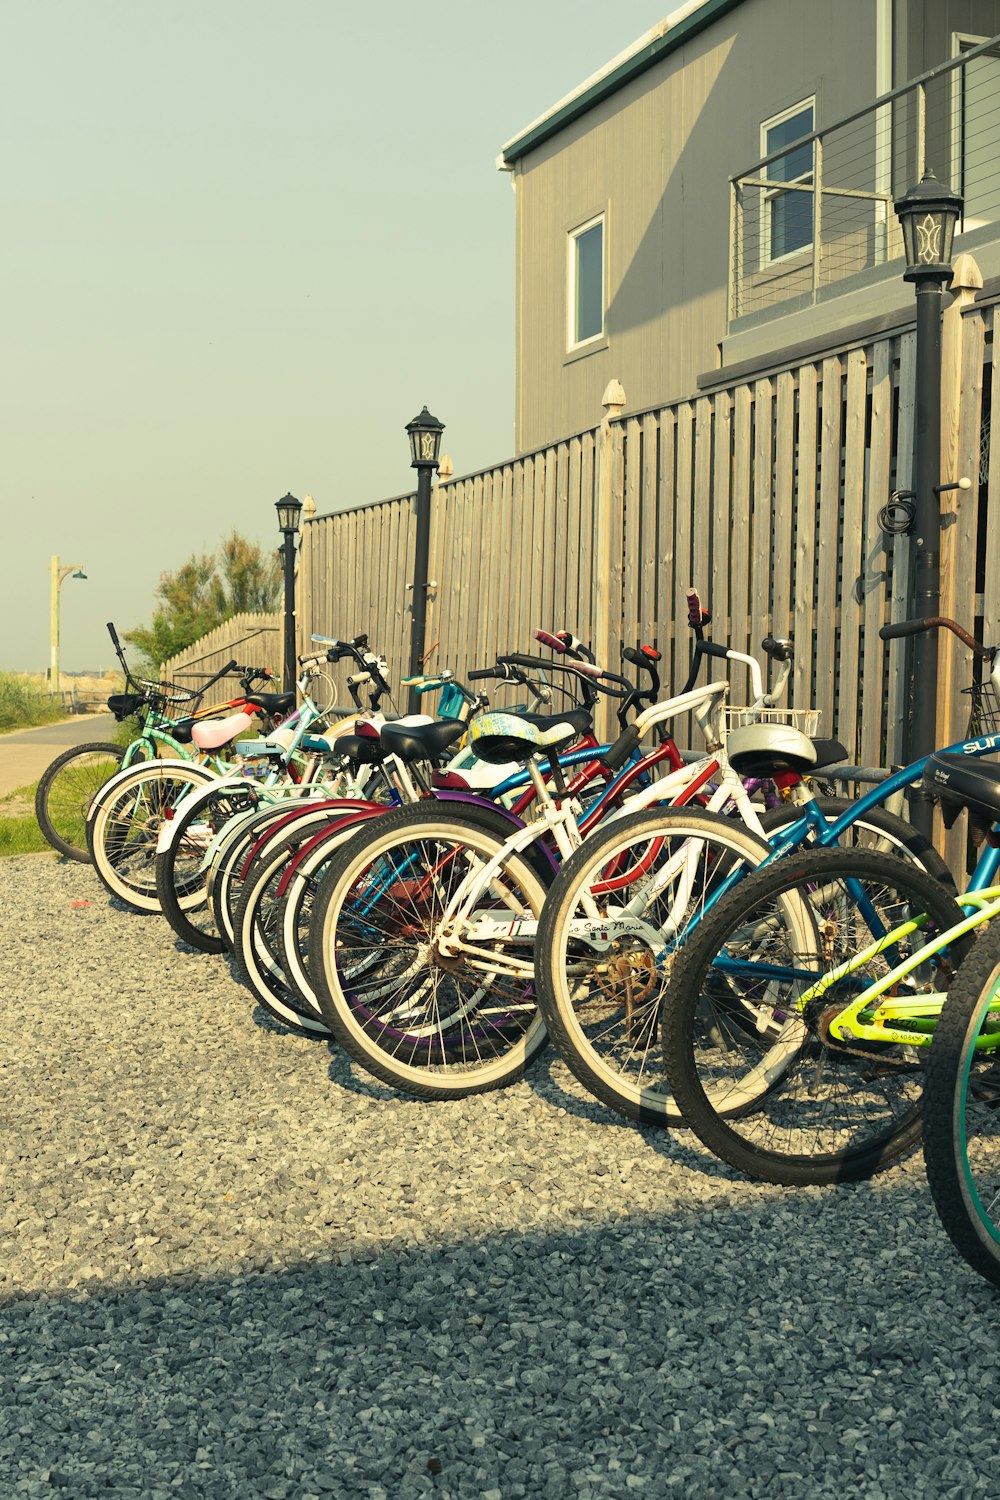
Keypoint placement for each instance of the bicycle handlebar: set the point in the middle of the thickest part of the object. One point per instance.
(939, 622)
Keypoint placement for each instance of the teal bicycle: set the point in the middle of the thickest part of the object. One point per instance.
(167, 715)
(132, 816)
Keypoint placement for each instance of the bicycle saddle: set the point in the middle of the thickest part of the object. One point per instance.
(771, 749)
(272, 703)
(210, 734)
(418, 738)
(959, 781)
(500, 737)
(362, 749)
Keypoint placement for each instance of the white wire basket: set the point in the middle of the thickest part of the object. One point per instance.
(806, 720)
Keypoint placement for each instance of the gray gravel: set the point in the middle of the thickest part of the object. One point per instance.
(231, 1265)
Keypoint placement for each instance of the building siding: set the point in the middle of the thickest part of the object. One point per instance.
(657, 156)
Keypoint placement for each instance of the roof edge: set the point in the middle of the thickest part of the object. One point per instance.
(633, 62)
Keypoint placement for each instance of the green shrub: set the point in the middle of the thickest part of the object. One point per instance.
(22, 704)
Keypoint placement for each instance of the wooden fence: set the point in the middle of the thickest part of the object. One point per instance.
(765, 494)
(252, 639)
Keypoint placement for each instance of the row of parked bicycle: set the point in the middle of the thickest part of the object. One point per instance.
(706, 939)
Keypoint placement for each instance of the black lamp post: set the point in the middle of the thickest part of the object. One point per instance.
(927, 214)
(288, 509)
(425, 444)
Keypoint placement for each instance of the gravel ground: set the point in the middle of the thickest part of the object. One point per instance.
(231, 1265)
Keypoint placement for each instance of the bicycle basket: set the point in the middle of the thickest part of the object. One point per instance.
(984, 709)
(806, 720)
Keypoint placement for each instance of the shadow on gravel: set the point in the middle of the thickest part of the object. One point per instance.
(711, 1351)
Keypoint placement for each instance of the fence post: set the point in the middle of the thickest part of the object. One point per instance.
(609, 482)
(957, 506)
(961, 396)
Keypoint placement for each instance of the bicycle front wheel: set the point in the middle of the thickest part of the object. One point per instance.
(181, 870)
(125, 821)
(439, 1009)
(66, 790)
(751, 1050)
(612, 923)
(962, 1110)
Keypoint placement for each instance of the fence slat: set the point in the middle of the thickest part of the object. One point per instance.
(632, 563)
(875, 560)
(701, 539)
(717, 584)
(991, 594)
(782, 524)
(896, 700)
(849, 695)
(739, 593)
(829, 531)
(806, 516)
(667, 590)
(762, 542)
(648, 621)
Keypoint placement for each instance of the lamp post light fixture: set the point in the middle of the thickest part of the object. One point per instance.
(58, 573)
(289, 509)
(927, 215)
(424, 433)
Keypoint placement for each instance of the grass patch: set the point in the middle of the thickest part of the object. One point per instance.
(19, 833)
(22, 706)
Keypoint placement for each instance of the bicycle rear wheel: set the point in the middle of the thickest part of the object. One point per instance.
(962, 1110)
(752, 1059)
(66, 790)
(434, 1022)
(606, 942)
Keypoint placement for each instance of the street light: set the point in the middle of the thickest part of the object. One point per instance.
(927, 215)
(424, 433)
(57, 577)
(289, 509)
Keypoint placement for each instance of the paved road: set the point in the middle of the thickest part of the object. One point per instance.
(25, 753)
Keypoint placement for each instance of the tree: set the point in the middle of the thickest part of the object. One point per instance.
(205, 591)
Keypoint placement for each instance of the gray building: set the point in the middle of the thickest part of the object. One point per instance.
(721, 193)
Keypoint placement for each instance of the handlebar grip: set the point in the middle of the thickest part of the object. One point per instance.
(482, 674)
(939, 622)
(624, 746)
(904, 627)
(778, 650)
(544, 638)
(641, 656)
(712, 648)
(694, 608)
(583, 668)
(112, 632)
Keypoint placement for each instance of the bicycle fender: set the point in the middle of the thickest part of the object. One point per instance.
(494, 819)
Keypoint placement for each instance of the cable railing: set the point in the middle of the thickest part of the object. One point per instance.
(807, 217)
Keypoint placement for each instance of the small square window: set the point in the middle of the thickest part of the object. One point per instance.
(788, 216)
(586, 282)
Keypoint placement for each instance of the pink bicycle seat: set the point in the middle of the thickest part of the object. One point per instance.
(210, 734)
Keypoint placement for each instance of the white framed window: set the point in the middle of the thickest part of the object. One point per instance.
(787, 217)
(585, 282)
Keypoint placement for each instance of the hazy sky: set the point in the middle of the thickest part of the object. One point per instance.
(244, 242)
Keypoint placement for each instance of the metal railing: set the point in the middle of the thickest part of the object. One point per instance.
(792, 242)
